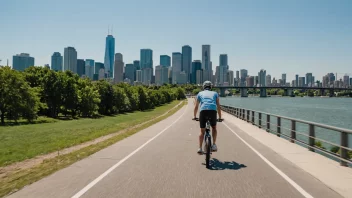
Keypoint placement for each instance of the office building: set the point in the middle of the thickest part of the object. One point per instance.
(137, 66)
(164, 75)
(186, 61)
(261, 78)
(146, 58)
(81, 67)
(130, 72)
(196, 65)
(97, 67)
(176, 66)
(139, 75)
(230, 77)
(147, 76)
(101, 74)
(297, 81)
(250, 81)
(199, 77)
(70, 59)
(158, 75)
(268, 80)
(309, 79)
(109, 55)
(22, 61)
(244, 74)
(223, 60)
(165, 60)
(350, 81)
(301, 81)
(119, 64)
(206, 63)
(56, 61)
(283, 77)
(237, 75)
(345, 80)
(90, 68)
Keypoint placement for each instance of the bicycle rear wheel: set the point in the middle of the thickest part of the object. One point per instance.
(208, 150)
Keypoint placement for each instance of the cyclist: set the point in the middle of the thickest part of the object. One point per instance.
(209, 106)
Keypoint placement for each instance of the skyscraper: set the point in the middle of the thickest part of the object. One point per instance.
(206, 63)
(158, 74)
(351, 82)
(261, 78)
(130, 72)
(97, 67)
(109, 55)
(345, 80)
(139, 76)
(223, 60)
(22, 61)
(146, 58)
(284, 79)
(119, 64)
(309, 78)
(196, 65)
(187, 61)
(56, 61)
(244, 74)
(136, 67)
(176, 66)
(81, 67)
(230, 77)
(223, 68)
(70, 59)
(301, 81)
(147, 75)
(297, 81)
(165, 60)
(268, 80)
(90, 68)
(199, 77)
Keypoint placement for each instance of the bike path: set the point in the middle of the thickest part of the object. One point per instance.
(168, 166)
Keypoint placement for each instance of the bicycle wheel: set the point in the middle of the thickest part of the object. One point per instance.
(208, 149)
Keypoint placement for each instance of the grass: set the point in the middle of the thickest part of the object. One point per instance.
(18, 180)
(23, 142)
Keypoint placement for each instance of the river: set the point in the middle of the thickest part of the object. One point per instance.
(330, 111)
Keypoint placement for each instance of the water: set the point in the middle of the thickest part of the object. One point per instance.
(329, 111)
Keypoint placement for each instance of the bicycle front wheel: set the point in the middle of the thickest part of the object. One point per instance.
(208, 150)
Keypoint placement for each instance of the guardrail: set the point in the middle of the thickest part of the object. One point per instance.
(251, 115)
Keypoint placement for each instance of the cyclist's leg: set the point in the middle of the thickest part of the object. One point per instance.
(213, 122)
(202, 123)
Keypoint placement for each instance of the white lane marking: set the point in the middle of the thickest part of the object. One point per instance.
(289, 180)
(95, 181)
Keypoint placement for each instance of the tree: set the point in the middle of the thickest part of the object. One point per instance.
(88, 97)
(70, 100)
(106, 105)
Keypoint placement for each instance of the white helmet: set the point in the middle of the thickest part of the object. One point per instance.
(207, 85)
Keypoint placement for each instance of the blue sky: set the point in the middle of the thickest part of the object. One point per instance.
(297, 36)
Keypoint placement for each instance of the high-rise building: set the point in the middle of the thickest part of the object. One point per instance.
(206, 63)
(165, 60)
(109, 55)
(70, 59)
(262, 78)
(158, 74)
(313, 81)
(268, 80)
(297, 80)
(182, 78)
(130, 72)
(101, 74)
(176, 66)
(301, 81)
(164, 75)
(136, 67)
(196, 65)
(309, 78)
(283, 79)
(345, 80)
(244, 74)
(230, 77)
(56, 61)
(139, 75)
(250, 81)
(222, 74)
(81, 67)
(97, 67)
(199, 77)
(147, 76)
(350, 81)
(146, 58)
(118, 70)
(22, 61)
(90, 68)
(187, 61)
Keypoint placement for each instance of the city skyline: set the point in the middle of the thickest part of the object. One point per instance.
(255, 34)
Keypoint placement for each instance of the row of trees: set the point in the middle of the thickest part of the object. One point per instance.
(41, 91)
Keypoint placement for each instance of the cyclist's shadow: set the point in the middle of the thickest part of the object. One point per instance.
(215, 164)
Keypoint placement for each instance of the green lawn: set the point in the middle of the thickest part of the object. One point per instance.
(27, 141)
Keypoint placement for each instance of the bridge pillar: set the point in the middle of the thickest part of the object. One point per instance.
(322, 92)
(263, 92)
(222, 92)
(244, 92)
(286, 92)
(331, 92)
(290, 93)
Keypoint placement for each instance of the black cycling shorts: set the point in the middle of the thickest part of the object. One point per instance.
(207, 115)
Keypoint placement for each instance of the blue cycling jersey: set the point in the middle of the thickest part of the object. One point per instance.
(207, 100)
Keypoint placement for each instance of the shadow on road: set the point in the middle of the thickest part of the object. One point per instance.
(215, 164)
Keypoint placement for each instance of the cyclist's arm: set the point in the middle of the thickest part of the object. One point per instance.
(196, 109)
(218, 106)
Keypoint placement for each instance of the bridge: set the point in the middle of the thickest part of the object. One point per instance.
(288, 90)
(161, 161)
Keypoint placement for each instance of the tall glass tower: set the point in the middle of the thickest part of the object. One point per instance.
(109, 55)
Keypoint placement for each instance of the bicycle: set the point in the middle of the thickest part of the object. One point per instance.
(207, 141)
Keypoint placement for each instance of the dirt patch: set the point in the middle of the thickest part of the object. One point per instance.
(29, 163)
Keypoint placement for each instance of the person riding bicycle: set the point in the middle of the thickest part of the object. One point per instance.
(209, 107)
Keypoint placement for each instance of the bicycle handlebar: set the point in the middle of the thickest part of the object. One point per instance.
(218, 120)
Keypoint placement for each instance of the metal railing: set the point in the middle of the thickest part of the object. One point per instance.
(256, 118)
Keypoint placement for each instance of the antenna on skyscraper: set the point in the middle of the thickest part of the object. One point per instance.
(112, 30)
